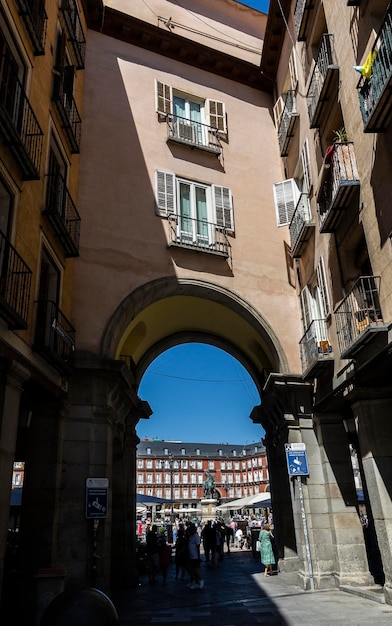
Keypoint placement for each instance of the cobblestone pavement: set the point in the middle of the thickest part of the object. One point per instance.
(238, 594)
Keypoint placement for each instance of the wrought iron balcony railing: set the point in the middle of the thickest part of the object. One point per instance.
(340, 184)
(35, 19)
(321, 81)
(69, 116)
(288, 121)
(54, 336)
(315, 348)
(301, 225)
(62, 214)
(20, 127)
(359, 316)
(198, 234)
(15, 285)
(374, 92)
(193, 133)
(73, 26)
(302, 12)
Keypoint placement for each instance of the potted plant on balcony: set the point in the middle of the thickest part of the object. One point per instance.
(341, 155)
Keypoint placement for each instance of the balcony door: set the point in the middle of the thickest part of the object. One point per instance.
(193, 223)
(188, 119)
(48, 297)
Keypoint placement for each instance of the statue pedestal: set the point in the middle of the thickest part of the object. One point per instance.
(208, 509)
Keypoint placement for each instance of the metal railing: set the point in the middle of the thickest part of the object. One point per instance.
(314, 345)
(62, 213)
(342, 172)
(299, 13)
(55, 335)
(73, 26)
(35, 19)
(302, 217)
(325, 58)
(198, 234)
(193, 133)
(69, 115)
(19, 126)
(371, 89)
(358, 311)
(15, 285)
(287, 121)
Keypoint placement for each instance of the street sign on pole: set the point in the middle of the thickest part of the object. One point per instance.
(297, 461)
(96, 498)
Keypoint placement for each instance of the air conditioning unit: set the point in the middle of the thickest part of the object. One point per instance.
(186, 132)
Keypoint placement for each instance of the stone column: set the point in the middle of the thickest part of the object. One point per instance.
(374, 426)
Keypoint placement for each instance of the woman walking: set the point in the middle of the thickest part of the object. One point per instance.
(266, 553)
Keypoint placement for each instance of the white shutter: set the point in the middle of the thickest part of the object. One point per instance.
(223, 205)
(163, 98)
(278, 110)
(305, 299)
(293, 70)
(323, 289)
(306, 167)
(165, 193)
(286, 194)
(217, 115)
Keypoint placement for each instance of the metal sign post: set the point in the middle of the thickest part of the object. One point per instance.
(297, 464)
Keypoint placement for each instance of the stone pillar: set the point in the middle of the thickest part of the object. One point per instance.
(333, 505)
(374, 426)
(208, 509)
(12, 378)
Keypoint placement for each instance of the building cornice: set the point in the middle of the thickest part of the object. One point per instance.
(164, 42)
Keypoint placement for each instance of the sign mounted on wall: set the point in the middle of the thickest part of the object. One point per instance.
(297, 462)
(96, 497)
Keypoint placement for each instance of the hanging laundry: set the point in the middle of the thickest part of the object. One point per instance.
(366, 68)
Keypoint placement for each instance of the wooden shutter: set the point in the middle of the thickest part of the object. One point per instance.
(223, 207)
(278, 110)
(305, 299)
(293, 70)
(217, 115)
(286, 194)
(163, 96)
(323, 289)
(165, 193)
(306, 167)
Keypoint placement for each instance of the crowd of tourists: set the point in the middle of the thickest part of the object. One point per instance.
(189, 541)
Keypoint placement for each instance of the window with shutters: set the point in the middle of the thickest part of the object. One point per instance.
(314, 298)
(193, 120)
(286, 195)
(200, 215)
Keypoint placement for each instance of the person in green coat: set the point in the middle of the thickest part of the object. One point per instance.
(266, 553)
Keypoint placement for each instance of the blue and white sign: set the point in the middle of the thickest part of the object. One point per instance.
(97, 497)
(297, 461)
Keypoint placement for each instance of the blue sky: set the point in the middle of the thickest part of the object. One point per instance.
(199, 393)
(260, 5)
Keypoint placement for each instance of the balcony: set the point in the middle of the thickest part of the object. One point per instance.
(315, 349)
(302, 14)
(301, 225)
(194, 134)
(359, 317)
(62, 214)
(73, 26)
(69, 116)
(288, 122)
(19, 126)
(199, 235)
(324, 79)
(339, 185)
(55, 336)
(375, 92)
(15, 285)
(35, 19)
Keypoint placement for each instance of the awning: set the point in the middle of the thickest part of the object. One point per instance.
(250, 502)
(143, 499)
